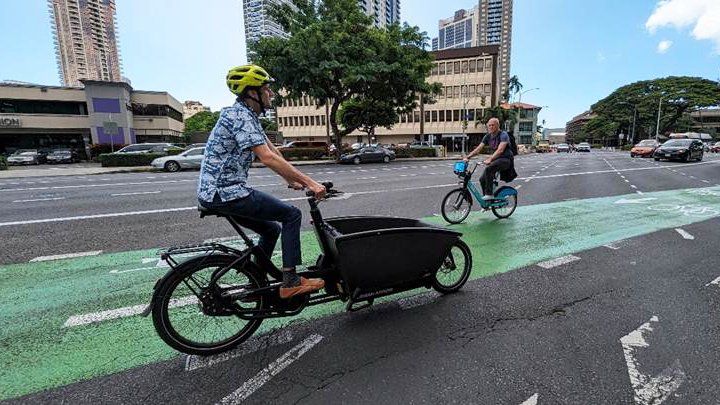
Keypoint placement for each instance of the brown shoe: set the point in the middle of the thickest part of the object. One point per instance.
(307, 285)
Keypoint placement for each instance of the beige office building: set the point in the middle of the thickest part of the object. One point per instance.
(85, 36)
(48, 117)
(468, 84)
(191, 108)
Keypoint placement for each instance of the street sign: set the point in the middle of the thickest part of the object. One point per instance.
(110, 128)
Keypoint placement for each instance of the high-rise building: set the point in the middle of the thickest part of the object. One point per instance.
(86, 45)
(259, 25)
(488, 23)
(191, 108)
(384, 12)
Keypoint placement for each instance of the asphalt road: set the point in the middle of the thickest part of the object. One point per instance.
(68, 214)
(634, 321)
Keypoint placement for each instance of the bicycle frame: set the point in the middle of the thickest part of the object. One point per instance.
(478, 194)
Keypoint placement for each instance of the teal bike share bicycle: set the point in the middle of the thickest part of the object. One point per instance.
(457, 203)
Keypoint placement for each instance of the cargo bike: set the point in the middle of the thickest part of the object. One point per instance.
(215, 296)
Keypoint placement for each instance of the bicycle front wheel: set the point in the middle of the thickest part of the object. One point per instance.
(189, 314)
(456, 206)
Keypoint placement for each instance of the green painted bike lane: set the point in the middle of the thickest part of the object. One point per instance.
(40, 352)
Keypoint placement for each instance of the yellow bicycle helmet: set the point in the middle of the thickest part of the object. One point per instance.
(241, 77)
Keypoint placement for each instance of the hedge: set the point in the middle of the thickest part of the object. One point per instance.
(127, 159)
(3, 163)
(414, 152)
(303, 153)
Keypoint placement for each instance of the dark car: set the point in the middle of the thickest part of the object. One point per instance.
(26, 157)
(63, 156)
(368, 154)
(680, 149)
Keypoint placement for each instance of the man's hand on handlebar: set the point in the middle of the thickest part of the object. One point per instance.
(296, 186)
(318, 190)
(487, 161)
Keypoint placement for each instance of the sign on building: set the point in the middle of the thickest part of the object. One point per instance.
(10, 122)
(110, 128)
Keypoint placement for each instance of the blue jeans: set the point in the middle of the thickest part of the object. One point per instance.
(261, 212)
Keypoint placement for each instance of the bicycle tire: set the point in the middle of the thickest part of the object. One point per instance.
(166, 325)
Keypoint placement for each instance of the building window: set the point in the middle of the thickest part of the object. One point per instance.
(323, 119)
(487, 89)
(456, 67)
(449, 92)
(456, 91)
(464, 68)
(442, 92)
(448, 115)
(441, 115)
(312, 120)
(456, 115)
(442, 68)
(526, 126)
(9, 106)
(156, 110)
(488, 65)
(295, 121)
(434, 116)
(472, 65)
(434, 71)
(480, 65)
(416, 116)
(471, 91)
(427, 116)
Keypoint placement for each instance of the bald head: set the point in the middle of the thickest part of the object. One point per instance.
(493, 125)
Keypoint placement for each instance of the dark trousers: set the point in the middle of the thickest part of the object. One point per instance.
(261, 212)
(497, 165)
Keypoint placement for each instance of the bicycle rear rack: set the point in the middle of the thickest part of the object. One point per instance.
(205, 248)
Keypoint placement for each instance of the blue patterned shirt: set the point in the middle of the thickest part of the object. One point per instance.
(228, 154)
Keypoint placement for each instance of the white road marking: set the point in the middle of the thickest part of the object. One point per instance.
(138, 183)
(271, 370)
(97, 317)
(649, 390)
(533, 400)
(611, 246)
(715, 282)
(639, 192)
(40, 199)
(684, 234)
(66, 256)
(193, 362)
(633, 186)
(635, 200)
(549, 264)
(138, 193)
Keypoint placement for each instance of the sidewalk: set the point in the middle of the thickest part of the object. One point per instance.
(83, 169)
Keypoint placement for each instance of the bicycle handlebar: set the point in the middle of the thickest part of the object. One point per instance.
(328, 187)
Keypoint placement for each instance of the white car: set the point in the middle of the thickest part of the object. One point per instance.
(583, 147)
(190, 159)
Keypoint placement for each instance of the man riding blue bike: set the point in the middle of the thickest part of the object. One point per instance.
(501, 160)
(231, 147)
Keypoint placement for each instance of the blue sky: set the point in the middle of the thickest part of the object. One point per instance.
(575, 51)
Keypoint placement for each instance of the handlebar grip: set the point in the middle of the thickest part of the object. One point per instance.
(327, 184)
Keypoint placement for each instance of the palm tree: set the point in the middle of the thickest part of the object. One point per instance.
(514, 86)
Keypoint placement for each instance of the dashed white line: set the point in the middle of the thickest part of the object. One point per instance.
(193, 362)
(66, 256)
(714, 282)
(549, 264)
(684, 234)
(40, 199)
(271, 370)
(533, 400)
(97, 317)
(138, 193)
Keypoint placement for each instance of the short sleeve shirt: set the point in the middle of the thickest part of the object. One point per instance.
(228, 154)
(493, 141)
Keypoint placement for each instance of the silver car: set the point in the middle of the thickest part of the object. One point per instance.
(190, 159)
(24, 157)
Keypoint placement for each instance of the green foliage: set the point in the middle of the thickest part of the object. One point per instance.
(365, 114)
(268, 124)
(303, 153)
(204, 121)
(503, 114)
(336, 56)
(100, 148)
(680, 95)
(415, 152)
(513, 87)
(3, 163)
(127, 159)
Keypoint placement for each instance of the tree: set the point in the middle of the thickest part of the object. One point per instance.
(513, 87)
(679, 96)
(204, 121)
(366, 115)
(504, 115)
(336, 56)
(268, 124)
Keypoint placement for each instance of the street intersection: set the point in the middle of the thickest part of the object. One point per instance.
(601, 288)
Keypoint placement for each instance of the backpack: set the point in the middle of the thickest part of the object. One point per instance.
(513, 144)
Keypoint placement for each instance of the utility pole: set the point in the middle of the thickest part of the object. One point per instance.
(657, 126)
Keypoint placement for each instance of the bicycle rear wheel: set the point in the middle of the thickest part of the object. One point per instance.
(189, 314)
(455, 269)
(456, 206)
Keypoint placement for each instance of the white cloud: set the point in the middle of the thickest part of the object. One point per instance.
(703, 15)
(601, 57)
(663, 46)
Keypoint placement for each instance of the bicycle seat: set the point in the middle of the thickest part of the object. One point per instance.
(204, 211)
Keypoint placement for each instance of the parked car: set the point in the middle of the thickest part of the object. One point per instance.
(63, 156)
(190, 159)
(368, 154)
(543, 147)
(583, 147)
(139, 148)
(26, 157)
(563, 147)
(196, 145)
(715, 148)
(680, 149)
(418, 144)
(645, 148)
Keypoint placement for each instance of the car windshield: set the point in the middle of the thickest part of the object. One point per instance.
(678, 142)
(27, 153)
(60, 152)
(646, 142)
